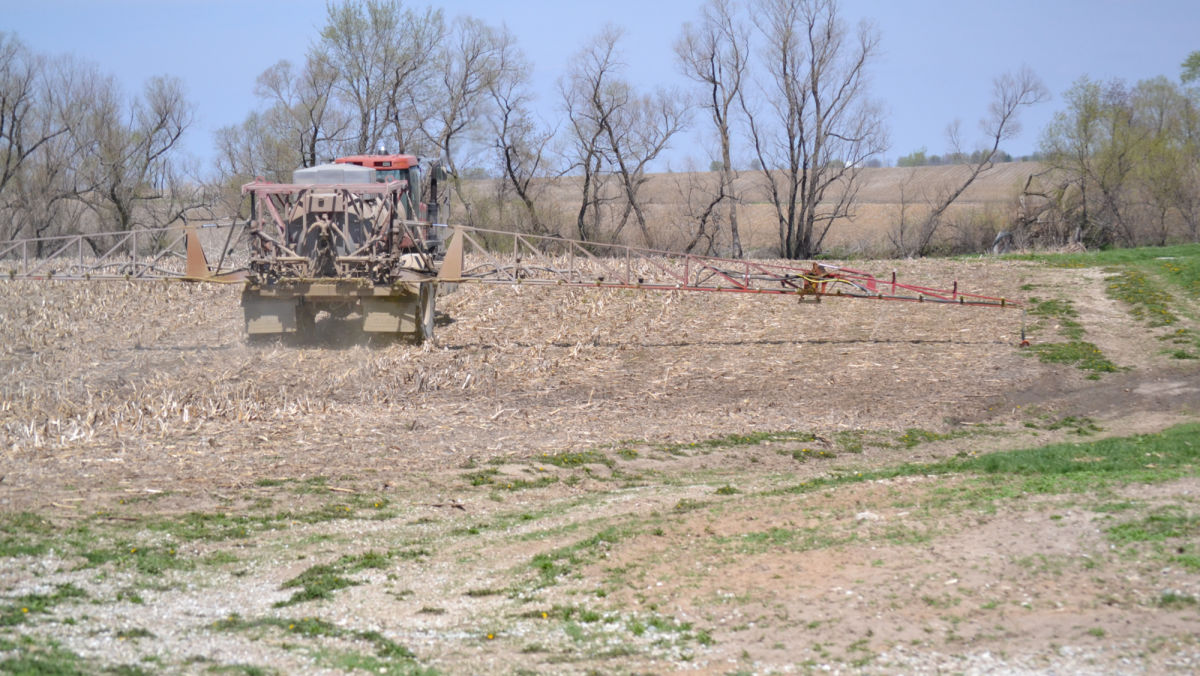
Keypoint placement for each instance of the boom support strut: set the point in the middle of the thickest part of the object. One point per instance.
(536, 260)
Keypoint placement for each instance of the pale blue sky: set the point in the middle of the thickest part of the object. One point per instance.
(937, 63)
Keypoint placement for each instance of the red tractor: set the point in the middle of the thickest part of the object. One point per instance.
(348, 237)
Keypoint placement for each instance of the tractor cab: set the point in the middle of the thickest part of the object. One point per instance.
(404, 168)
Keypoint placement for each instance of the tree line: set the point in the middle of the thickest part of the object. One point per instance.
(77, 153)
(779, 88)
(1122, 165)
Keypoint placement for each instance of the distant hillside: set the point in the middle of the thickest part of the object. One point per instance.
(884, 193)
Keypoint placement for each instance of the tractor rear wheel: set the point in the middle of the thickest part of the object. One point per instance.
(427, 309)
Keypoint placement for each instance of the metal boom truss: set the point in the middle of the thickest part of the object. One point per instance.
(539, 260)
(473, 255)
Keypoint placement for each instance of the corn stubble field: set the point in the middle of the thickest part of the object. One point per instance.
(594, 481)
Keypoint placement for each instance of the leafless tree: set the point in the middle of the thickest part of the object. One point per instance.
(637, 133)
(301, 110)
(901, 233)
(616, 127)
(130, 150)
(44, 194)
(584, 90)
(715, 54)
(412, 79)
(252, 149)
(818, 126)
(381, 54)
(1010, 93)
(300, 125)
(471, 63)
(700, 199)
(27, 113)
(521, 143)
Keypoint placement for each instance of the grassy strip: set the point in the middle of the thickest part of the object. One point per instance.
(1075, 352)
(736, 440)
(19, 610)
(556, 563)
(108, 537)
(1140, 279)
(1082, 355)
(1146, 300)
(320, 581)
(390, 657)
(1091, 259)
(1170, 532)
(1183, 271)
(24, 533)
(1068, 467)
(27, 656)
(1061, 311)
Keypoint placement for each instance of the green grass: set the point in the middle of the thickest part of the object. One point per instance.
(575, 459)
(24, 534)
(791, 539)
(29, 657)
(1148, 281)
(1173, 599)
(605, 632)
(1184, 343)
(817, 537)
(685, 505)
(1061, 311)
(1080, 354)
(1057, 468)
(1145, 458)
(150, 544)
(736, 440)
(242, 669)
(1143, 288)
(1081, 425)
(320, 581)
(559, 562)
(18, 611)
(1163, 525)
(1168, 534)
(150, 560)
(523, 484)
(914, 437)
(1091, 259)
(1146, 300)
(1182, 271)
(389, 658)
(1075, 352)
(491, 477)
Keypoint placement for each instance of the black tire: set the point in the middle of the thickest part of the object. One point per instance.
(306, 321)
(427, 309)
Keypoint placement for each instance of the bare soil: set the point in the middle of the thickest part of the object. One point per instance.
(611, 434)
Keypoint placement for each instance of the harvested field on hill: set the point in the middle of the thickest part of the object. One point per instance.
(582, 481)
(989, 204)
